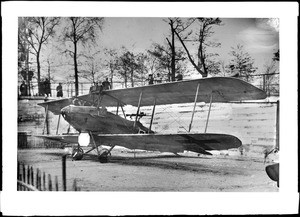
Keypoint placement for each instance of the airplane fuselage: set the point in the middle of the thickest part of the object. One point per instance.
(99, 120)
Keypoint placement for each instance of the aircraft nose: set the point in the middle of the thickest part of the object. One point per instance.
(65, 110)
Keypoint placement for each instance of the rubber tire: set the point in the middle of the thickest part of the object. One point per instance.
(103, 156)
(77, 153)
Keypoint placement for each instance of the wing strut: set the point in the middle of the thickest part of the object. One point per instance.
(123, 111)
(58, 124)
(196, 96)
(46, 120)
(117, 112)
(138, 110)
(99, 100)
(152, 116)
(208, 112)
(95, 145)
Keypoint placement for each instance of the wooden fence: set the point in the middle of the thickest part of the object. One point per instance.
(30, 180)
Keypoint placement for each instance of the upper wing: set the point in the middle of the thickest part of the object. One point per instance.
(223, 89)
(200, 143)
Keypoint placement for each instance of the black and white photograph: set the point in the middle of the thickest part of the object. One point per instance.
(148, 109)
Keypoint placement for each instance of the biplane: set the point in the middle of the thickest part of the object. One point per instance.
(97, 127)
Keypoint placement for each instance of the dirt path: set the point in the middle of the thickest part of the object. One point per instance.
(154, 171)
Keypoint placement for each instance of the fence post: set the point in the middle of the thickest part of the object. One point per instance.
(18, 169)
(64, 172)
(18, 175)
(264, 82)
(44, 181)
(37, 178)
(40, 181)
(277, 125)
(24, 175)
(28, 175)
(49, 183)
(74, 185)
(32, 176)
(56, 183)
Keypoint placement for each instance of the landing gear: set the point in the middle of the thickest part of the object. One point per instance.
(77, 153)
(103, 155)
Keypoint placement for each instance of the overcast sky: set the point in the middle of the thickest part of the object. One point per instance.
(260, 37)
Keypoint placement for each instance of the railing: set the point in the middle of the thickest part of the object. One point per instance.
(28, 180)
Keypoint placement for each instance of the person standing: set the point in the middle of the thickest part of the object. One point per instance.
(59, 91)
(47, 87)
(179, 77)
(158, 78)
(106, 84)
(151, 79)
(23, 89)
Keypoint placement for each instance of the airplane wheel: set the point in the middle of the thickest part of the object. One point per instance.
(77, 153)
(103, 155)
(103, 159)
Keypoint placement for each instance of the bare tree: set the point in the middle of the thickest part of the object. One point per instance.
(206, 63)
(276, 56)
(270, 81)
(176, 26)
(131, 66)
(161, 60)
(162, 57)
(92, 65)
(80, 31)
(23, 49)
(39, 30)
(112, 62)
(242, 62)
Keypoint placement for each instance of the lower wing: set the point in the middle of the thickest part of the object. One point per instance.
(199, 143)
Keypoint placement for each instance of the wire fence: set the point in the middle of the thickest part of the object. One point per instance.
(267, 82)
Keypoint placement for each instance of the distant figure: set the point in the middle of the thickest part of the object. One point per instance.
(91, 88)
(151, 79)
(158, 78)
(42, 88)
(23, 89)
(106, 84)
(76, 101)
(99, 86)
(96, 87)
(47, 87)
(179, 77)
(59, 91)
(234, 72)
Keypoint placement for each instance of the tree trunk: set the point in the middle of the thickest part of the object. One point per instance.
(125, 80)
(173, 54)
(189, 55)
(75, 69)
(201, 58)
(131, 77)
(38, 71)
(111, 76)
